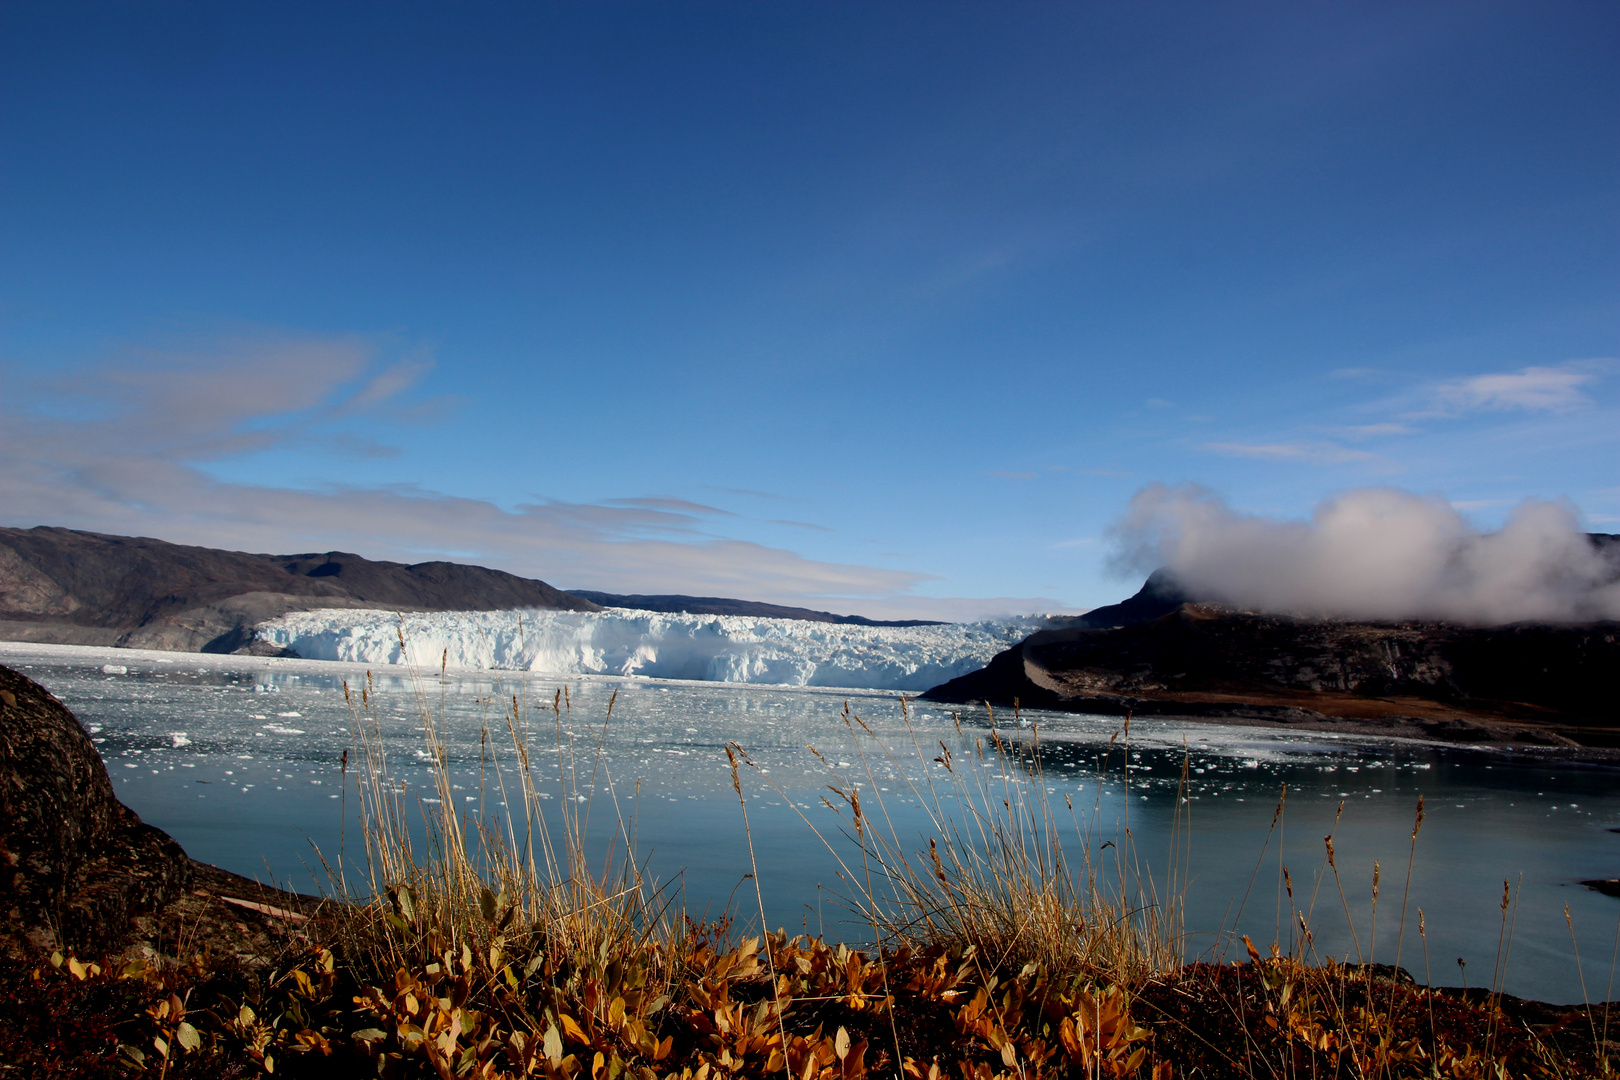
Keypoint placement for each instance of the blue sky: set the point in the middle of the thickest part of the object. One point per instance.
(884, 308)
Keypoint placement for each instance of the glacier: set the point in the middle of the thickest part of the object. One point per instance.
(625, 642)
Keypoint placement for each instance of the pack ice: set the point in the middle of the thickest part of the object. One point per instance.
(619, 641)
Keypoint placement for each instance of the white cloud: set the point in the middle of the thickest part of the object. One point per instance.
(1532, 389)
(1376, 553)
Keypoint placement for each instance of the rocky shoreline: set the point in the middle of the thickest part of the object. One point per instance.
(81, 873)
(1537, 686)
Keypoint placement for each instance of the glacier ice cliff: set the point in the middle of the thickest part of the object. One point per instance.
(710, 648)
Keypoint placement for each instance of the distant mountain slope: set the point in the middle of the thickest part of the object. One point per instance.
(1528, 683)
(1164, 652)
(1159, 595)
(63, 585)
(719, 605)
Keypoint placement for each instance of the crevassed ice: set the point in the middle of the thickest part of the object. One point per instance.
(619, 641)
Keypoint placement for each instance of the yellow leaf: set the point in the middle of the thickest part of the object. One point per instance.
(572, 1029)
(841, 1044)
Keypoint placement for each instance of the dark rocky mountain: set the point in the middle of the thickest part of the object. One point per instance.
(1536, 683)
(1159, 653)
(719, 605)
(1159, 595)
(72, 587)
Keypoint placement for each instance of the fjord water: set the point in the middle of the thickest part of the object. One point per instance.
(240, 760)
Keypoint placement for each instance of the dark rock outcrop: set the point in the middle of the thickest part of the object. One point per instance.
(81, 872)
(76, 865)
(1534, 683)
(1159, 595)
(81, 588)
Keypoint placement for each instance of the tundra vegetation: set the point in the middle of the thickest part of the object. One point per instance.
(1005, 948)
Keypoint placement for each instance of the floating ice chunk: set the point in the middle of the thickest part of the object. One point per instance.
(277, 729)
(114, 669)
(179, 739)
(289, 715)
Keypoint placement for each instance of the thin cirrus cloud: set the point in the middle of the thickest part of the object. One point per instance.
(1532, 389)
(1316, 453)
(122, 446)
(678, 506)
(1358, 432)
(1545, 391)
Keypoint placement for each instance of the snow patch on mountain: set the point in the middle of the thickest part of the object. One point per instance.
(620, 641)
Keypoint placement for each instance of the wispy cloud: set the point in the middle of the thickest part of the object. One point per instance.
(1001, 475)
(799, 524)
(1531, 389)
(1315, 453)
(126, 445)
(1358, 432)
(391, 382)
(679, 506)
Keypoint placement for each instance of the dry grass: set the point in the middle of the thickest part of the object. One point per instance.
(519, 897)
(996, 877)
(505, 948)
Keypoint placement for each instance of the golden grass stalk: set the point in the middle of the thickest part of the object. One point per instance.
(517, 891)
(994, 877)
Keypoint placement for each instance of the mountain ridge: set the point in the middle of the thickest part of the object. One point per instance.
(1163, 653)
(75, 587)
(69, 586)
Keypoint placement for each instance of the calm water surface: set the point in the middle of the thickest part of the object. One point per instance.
(239, 759)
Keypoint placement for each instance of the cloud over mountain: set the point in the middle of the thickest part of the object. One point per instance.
(1375, 553)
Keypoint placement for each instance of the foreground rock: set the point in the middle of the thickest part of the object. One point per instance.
(81, 872)
(1543, 685)
(68, 587)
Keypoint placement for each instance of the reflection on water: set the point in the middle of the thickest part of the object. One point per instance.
(240, 760)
